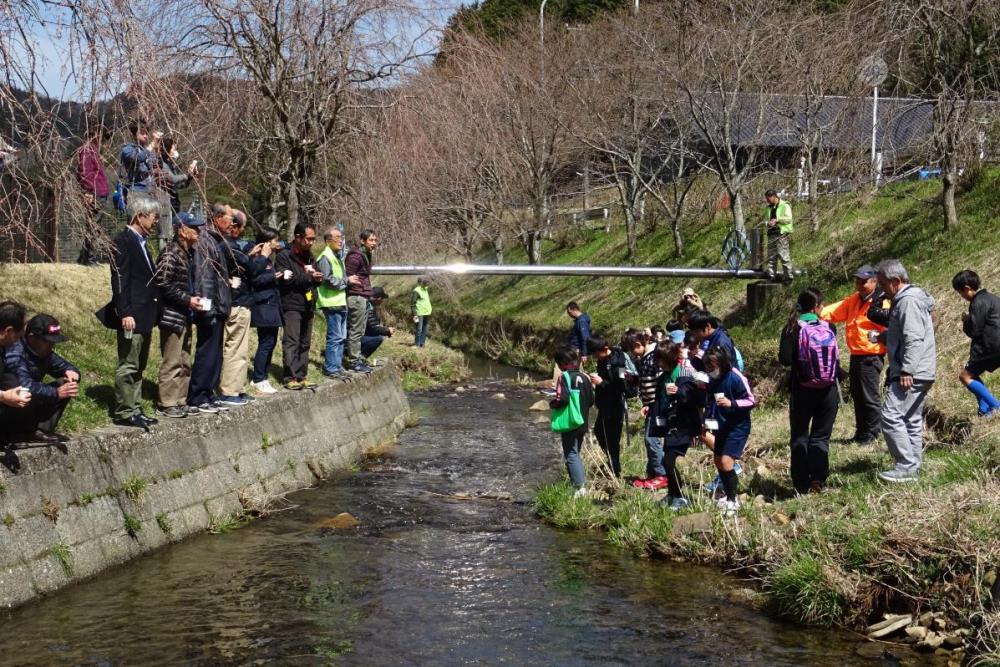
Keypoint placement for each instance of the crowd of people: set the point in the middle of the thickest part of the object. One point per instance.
(690, 381)
(204, 291)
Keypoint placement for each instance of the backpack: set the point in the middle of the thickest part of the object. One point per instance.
(569, 417)
(818, 356)
(118, 198)
(739, 358)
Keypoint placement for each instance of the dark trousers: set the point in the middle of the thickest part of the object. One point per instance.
(267, 340)
(608, 431)
(369, 344)
(207, 364)
(866, 385)
(295, 343)
(41, 414)
(812, 413)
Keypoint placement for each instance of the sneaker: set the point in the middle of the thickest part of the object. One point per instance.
(727, 507)
(192, 411)
(334, 375)
(264, 387)
(220, 406)
(640, 483)
(657, 483)
(294, 385)
(206, 408)
(173, 412)
(580, 493)
(247, 397)
(679, 503)
(233, 401)
(895, 475)
(715, 484)
(815, 487)
(361, 367)
(308, 384)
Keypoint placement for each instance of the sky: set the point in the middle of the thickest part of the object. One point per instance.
(52, 46)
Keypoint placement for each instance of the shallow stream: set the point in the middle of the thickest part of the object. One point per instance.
(429, 577)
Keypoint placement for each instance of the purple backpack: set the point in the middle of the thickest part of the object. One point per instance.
(818, 355)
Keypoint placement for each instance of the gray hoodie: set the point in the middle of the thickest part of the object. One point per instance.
(910, 337)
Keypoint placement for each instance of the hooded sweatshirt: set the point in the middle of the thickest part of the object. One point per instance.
(910, 337)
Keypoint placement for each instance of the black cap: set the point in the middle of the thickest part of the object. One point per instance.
(188, 220)
(865, 272)
(47, 327)
(379, 293)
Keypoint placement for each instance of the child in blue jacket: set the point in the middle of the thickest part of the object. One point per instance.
(727, 423)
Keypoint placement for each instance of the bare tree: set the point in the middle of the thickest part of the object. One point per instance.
(949, 52)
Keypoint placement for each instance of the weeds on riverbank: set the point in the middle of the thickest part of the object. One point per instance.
(842, 557)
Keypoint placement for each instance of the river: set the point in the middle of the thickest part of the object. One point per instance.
(427, 578)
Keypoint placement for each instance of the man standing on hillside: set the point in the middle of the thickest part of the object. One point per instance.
(420, 304)
(358, 263)
(580, 333)
(138, 161)
(910, 344)
(778, 218)
(135, 302)
(867, 356)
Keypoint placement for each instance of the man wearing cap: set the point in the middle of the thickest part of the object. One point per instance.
(236, 333)
(375, 333)
(175, 278)
(135, 302)
(867, 355)
(778, 219)
(26, 363)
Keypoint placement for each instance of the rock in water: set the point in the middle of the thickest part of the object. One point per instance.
(499, 397)
(889, 626)
(693, 524)
(871, 650)
(342, 520)
(918, 632)
(539, 406)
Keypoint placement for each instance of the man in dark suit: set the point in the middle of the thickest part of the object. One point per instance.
(136, 304)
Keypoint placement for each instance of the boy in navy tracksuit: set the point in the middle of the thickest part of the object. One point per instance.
(612, 386)
(568, 360)
(982, 325)
(729, 403)
(676, 416)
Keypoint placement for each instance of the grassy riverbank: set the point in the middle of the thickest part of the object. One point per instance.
(72, 293)
(859, 550)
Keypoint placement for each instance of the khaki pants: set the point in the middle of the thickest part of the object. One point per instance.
(235, 352)
(778, 249)
(175, 367)
(357, 317)
(132, 356)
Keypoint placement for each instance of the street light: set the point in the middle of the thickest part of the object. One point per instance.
(873, 72)
(541, 22)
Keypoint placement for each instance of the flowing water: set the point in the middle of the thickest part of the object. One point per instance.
(429, 577)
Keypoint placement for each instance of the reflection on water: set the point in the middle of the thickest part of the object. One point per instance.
(426, 579)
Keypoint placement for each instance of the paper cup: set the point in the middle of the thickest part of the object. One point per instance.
(309, 268)
(288, 274)
(671, 385)
(236, 281)
(24, 392)
(128, 334)
(622, 373)
(719, 395)
(206, 304)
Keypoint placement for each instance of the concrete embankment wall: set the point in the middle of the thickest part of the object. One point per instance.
(112, 495)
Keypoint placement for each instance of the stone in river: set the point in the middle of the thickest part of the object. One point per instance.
(890, 625)
(871, 650)
(499, 396)
(342, 520)
(539, 406)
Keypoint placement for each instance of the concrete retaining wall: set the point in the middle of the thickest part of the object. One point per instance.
(67, 513)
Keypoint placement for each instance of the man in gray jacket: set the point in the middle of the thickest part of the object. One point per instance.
(912, 355)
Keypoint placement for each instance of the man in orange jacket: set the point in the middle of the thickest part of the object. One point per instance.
(867, 355)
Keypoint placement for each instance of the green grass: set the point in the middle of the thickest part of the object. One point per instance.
(165, 524)
(64, 556)
(133, 488)
(8, 520)
(133, 526)
(802, 590)
(229, 523)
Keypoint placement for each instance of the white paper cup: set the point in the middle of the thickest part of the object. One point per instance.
(873, 336)
(309, 268)
(288, 274)
(622, 372)
(671, 385)
(712, 424)
(206, 304)
(23, 392)
(236, 281)
(128, 334)
(718, 396)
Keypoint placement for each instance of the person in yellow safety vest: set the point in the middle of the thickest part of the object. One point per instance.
(778, 217)
(331, 297)
(420, 302)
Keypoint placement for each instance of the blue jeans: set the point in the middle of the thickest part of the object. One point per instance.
(572, 441)
(421, 334)
(267, 340)
(369, 344)
(654, 454)
(336, 334)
